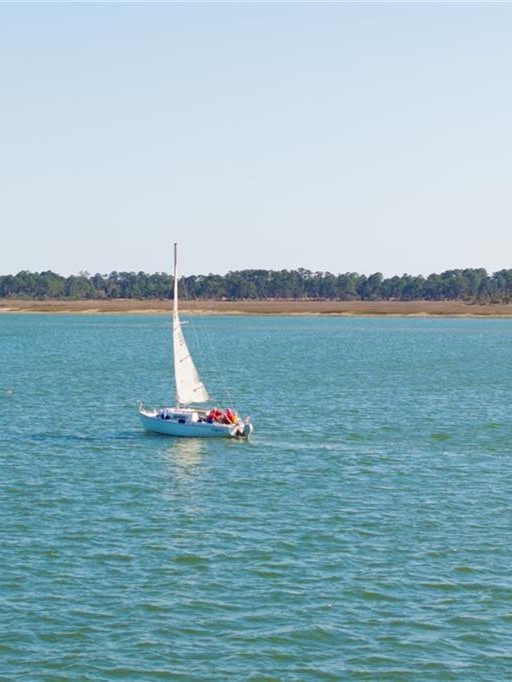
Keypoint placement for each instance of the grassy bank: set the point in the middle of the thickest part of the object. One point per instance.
(271, 307)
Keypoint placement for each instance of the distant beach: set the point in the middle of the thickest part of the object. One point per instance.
(268, 307)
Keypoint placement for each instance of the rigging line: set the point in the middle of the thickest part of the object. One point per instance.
(197, 341)
(221, 371)
(220, 368)
(216, 376)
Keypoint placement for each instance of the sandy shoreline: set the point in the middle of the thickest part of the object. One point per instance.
(271, 307)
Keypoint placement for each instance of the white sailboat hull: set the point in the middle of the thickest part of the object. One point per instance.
(176, 422)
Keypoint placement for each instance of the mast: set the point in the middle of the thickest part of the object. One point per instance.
(175, 322)
(175, 298)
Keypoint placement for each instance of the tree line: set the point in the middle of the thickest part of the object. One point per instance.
(461, 285)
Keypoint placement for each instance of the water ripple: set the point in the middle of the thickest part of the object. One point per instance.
(374, 544)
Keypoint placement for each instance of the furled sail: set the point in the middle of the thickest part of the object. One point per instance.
(189, 387)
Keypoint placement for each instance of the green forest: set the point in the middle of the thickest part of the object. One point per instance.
(452, 285)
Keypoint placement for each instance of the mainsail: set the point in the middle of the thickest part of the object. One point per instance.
(189, 387)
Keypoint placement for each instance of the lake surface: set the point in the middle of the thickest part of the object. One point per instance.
(364, 533)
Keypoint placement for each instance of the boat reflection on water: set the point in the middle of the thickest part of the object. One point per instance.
(185, 456)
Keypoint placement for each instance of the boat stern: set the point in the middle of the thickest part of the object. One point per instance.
(245, 430)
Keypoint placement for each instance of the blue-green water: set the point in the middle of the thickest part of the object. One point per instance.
(364, 533)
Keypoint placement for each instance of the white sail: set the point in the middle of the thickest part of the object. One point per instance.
(189, 387)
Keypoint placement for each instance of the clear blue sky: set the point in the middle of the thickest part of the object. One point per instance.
(335, 137)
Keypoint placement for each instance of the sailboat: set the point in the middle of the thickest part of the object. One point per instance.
(185, 419)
